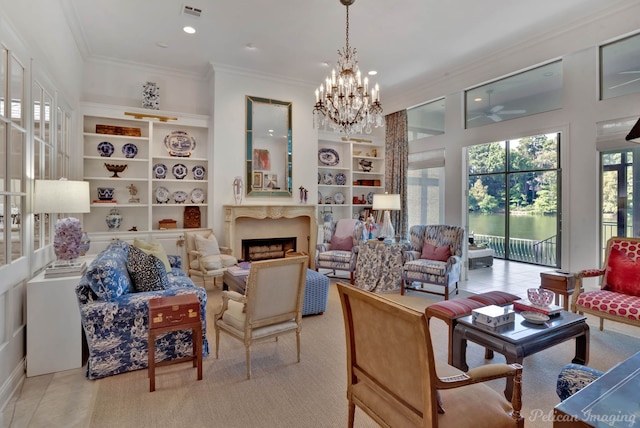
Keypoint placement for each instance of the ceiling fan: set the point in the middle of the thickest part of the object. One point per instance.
(495, 113)
(628, 81)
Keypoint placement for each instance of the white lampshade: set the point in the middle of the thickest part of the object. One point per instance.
(386, 202)
(61, 196)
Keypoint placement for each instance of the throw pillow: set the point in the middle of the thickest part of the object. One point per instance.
(154, 248)
(207, 246)
(433, 252)
(344, 244)
(146, 270)
(211, 262)
(107, 274)
(623, 273)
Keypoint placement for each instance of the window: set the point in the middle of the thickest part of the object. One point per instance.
(620, 67)
(425, 188)
(426, 120)
(513, 198)
(523, 94)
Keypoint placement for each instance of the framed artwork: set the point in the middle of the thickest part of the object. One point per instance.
(261, 159)
(270, 181)
(257, 180)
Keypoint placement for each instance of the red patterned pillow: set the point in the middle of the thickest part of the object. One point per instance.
(344, 244)
(623, 273)
(432, 252)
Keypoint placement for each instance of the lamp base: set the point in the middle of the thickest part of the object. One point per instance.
(386, 230)
(61, 268)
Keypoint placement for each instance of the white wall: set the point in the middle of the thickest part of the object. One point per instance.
(229, 137)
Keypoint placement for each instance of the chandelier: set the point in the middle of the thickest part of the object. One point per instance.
(344, 102)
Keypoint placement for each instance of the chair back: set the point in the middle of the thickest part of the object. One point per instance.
(390, 362)
(438, 235)
(275, 290)
(629, 247)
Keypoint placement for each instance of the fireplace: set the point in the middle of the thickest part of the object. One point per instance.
(269, 222)
(264, 249)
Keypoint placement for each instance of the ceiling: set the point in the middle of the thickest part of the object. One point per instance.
(292, 38)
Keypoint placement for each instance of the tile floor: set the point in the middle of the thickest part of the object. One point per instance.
(63, 399)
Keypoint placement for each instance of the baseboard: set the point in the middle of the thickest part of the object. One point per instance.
(11, 386)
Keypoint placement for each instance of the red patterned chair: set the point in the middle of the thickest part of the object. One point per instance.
(618, 298)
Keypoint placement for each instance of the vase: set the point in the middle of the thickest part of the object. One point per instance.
(85, 244)
(114, 219)
(370, 235)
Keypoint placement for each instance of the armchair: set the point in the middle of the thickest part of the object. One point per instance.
(382, 336)
(205, 259)
(339, 251)
(270, 307)
(434, 258)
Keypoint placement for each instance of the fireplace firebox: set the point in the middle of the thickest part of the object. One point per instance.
(265, 249)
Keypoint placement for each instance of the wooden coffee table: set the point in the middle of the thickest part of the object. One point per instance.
(521, 338)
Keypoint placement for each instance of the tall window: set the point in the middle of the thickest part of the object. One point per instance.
(513, 198)
(425, 188)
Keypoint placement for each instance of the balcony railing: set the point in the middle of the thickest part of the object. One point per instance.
(522, 250)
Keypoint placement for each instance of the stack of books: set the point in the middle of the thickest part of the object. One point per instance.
(238, 271)
(526, 305)
(70, 269)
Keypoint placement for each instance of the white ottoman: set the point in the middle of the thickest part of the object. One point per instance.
(480, 257)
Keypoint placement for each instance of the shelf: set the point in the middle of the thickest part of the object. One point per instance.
(116, 159)
(113, 136)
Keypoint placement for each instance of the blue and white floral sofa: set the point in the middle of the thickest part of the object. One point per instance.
(115, 316)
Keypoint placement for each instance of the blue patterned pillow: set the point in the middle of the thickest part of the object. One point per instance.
(146, 270)
(107, 275)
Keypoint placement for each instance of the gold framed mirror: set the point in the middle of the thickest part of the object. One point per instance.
(268, 147)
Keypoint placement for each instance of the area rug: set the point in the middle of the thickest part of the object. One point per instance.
(312, 393)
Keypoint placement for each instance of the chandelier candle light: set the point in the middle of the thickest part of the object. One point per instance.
(386, 202)
(343, 101)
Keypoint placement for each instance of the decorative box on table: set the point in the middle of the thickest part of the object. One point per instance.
(493, 315)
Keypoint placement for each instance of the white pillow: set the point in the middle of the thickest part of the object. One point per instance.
(211, 262)
(207, 247)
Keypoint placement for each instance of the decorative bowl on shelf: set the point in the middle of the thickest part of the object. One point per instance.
(540, 296)
(115, 169)
(105, 193)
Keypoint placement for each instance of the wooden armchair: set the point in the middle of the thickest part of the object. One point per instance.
(205, 258)
(391, 373)
(270, 307)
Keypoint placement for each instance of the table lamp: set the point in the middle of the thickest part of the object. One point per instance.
(63, 196)
(386, 202)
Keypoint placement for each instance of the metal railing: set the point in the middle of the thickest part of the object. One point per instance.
(522, 250)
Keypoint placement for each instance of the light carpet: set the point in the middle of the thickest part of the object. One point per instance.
(312, 393)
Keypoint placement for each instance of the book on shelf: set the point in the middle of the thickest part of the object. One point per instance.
(526, 305)
(100, 201)
(54, 271)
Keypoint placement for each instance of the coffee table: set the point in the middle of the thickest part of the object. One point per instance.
(521, 338)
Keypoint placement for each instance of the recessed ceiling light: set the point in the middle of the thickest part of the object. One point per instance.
(189, 30)
(325, 63)
(373, 73)
(477, 99)
(250, 46)
(162, 44)
(548, 73)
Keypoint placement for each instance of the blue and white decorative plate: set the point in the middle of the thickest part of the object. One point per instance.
(341, 179)
(370, 198)
(328, 157)
(179, 171)
(180, 196)
(160, 170)
(198, 172)
(162, 195)
(327, 178)
(179, 144)
(338, 198)
(197, 196)
(129, 150)
(105, 149)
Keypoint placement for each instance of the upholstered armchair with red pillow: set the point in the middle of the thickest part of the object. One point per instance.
(434, 258)
(339, 251)
(618, 296)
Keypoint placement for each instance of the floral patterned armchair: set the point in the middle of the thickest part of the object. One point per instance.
(339, 251)
(434, 258)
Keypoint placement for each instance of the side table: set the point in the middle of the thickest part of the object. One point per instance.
(561, 283)
(172, 314)
(54, 328)
(379, 266)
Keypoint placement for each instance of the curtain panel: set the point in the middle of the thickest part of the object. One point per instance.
(396, 165)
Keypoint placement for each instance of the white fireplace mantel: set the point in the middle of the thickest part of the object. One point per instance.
(235, 229)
